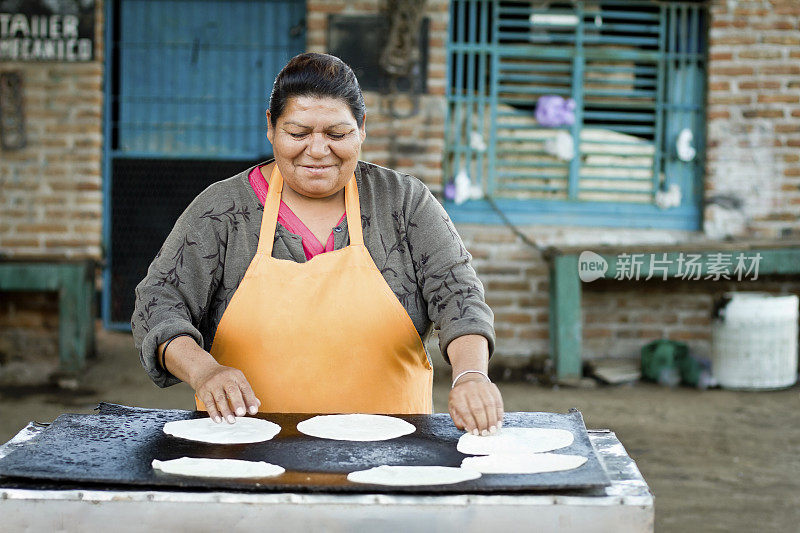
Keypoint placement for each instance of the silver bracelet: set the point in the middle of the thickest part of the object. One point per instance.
(464, 373)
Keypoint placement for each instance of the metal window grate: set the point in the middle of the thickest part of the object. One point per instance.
(144, 214)
(635, 69)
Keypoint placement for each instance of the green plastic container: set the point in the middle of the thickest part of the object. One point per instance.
(661, 361)
(669, 363)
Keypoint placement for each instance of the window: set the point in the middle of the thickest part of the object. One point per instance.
(635, 72)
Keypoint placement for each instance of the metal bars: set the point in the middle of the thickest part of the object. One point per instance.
(467, 91)
(684, 96)
(635, 70)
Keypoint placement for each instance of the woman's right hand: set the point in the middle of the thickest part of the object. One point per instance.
(225, 392)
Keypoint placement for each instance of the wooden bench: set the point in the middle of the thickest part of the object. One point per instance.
(566, 334)
(74, 283)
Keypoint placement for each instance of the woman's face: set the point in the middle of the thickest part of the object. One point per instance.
(316, 142)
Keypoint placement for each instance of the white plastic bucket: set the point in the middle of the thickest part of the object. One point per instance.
(754, 342)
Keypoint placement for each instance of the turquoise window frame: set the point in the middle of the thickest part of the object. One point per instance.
(475, 49)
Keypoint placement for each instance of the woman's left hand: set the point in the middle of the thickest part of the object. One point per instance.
(476, 405)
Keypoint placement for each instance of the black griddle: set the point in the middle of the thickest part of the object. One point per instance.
(116, 447)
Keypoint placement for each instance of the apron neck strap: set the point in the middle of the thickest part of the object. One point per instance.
(273, 202)
(266, 237)
(352, 208)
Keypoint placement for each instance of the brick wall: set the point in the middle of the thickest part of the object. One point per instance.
(50, 198)
(620, 317)
(51, 190)
(754, 112)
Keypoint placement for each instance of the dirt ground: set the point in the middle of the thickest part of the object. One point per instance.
(715, 460)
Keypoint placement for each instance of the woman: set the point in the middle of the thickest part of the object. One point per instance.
(319, 304)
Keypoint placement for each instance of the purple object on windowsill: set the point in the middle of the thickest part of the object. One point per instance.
(553, 111)
(450, 191)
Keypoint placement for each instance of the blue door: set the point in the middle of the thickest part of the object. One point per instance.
(188, 84)
(195, 75)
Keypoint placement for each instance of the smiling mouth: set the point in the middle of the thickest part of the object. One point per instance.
(316, 169)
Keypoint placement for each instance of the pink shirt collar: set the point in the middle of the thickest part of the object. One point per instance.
(290, 221)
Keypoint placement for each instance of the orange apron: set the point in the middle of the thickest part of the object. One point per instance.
(324, 336)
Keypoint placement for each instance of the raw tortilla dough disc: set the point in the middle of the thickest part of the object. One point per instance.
(244, 431)
(515, 440)
(399, 476)
(227, 468)
(522, 463)
(357, 427)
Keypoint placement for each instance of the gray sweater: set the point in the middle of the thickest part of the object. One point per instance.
(406, 231)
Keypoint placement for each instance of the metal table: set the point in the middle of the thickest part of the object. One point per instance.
(624, 506)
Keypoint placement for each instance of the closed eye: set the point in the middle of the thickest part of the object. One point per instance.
(334, 136)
